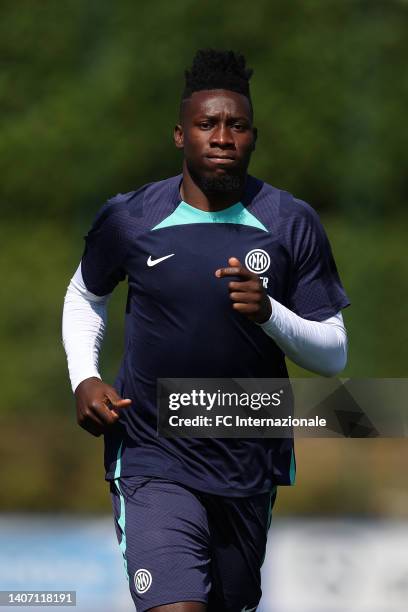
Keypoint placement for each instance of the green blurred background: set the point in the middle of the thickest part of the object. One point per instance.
(89, 93)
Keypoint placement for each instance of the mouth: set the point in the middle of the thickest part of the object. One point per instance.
(221, 159)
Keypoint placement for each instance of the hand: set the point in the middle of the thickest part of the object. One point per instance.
(98, 405)
(248, 295)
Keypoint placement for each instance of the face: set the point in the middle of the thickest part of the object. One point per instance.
(218, 138)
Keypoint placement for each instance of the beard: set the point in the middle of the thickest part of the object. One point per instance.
(224, 183)
(221, 184)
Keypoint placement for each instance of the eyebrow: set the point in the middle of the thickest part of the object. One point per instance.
(216, 116)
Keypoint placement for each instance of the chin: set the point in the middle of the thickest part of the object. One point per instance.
(220, 182)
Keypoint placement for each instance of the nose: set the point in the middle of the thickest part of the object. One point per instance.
(222, 137)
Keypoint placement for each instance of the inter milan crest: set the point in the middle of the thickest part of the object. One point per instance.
(257, 261)
(143, 580)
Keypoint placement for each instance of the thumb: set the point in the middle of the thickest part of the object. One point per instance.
(233, 261)
(122, 403)
(114, 401)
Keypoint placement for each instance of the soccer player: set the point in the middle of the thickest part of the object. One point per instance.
(226, 276)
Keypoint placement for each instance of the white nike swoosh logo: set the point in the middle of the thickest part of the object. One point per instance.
(152, 262)
(248, 609)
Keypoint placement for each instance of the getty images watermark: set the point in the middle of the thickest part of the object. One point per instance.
(279, 408)
(223, 399)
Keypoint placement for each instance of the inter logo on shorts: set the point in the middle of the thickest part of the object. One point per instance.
(257, 261)
(143, 580)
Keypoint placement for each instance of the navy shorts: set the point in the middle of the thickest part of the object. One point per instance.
(184, 545)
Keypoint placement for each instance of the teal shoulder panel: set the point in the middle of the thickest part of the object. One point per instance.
(186, 215)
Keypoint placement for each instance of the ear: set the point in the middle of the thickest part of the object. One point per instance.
(255, 133)
(178, 136)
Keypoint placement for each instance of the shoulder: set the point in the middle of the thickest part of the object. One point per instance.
(279, 209)
(277, 202)
(136, 207)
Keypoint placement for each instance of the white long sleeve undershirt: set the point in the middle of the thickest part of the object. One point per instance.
(317, 346)
(84, 322)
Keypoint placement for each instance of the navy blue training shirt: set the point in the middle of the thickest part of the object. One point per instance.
(180, 323)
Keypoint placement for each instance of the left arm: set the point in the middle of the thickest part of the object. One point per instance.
(317, 346)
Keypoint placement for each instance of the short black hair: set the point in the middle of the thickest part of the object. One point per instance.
(212, 69)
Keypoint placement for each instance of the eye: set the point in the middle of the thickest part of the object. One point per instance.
(205, 125)
(240, 127)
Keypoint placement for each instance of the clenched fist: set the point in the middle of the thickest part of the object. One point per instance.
(98, 405)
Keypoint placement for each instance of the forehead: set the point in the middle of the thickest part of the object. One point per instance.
(217, 102)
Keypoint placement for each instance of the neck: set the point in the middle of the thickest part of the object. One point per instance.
(194, 195)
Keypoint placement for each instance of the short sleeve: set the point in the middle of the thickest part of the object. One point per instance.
(316, 292)
(103, 260)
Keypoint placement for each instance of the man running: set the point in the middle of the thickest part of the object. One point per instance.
(226, 276)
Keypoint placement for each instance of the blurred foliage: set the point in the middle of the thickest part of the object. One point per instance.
(89, 93)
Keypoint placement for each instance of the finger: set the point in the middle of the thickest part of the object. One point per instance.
(236, 271)
(250, 285)
(90, 421)
(246, 308)
(245, 298)
(123, 403)
(104, 415)
(116, 404)
(234, 261)
(113, 402)
(90, 414)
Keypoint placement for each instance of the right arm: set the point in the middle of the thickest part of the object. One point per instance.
(83, 326)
